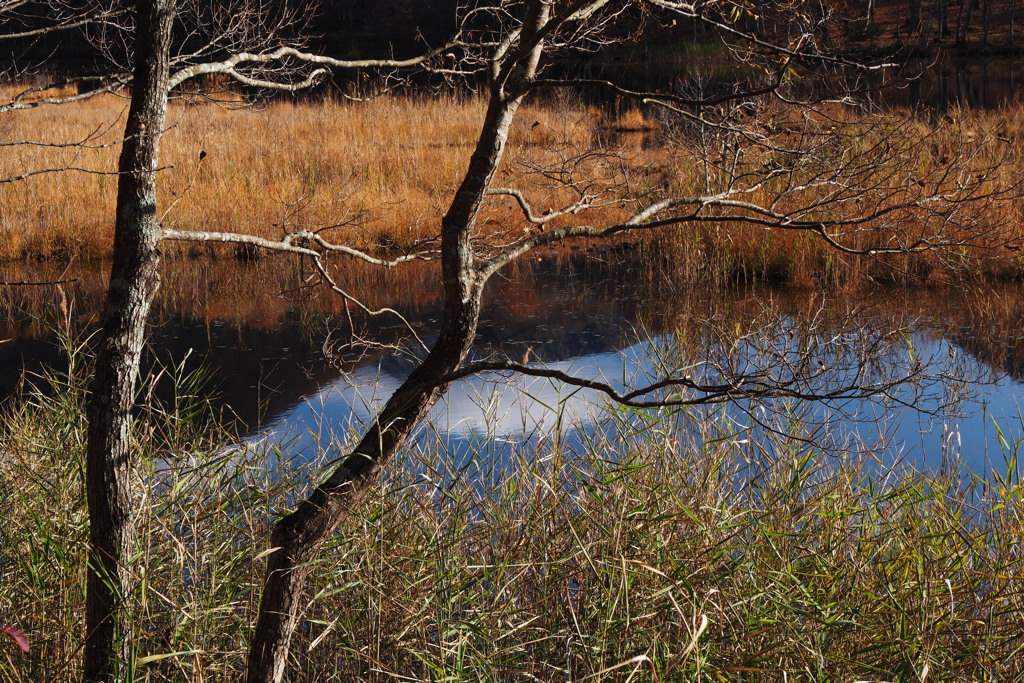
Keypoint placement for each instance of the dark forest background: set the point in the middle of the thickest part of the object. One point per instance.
(358, 29)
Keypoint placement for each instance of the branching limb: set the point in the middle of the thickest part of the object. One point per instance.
(741, 388)
(230, 64)
(61, 169)
(65, 24)
(316, 77)
(663, 99)
(584, 202)
(301, 242)
(41, 283)
(349, 299)
(24, 99)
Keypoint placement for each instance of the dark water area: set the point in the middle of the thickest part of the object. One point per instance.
(610, 320)
(942, 84)
(932, 85)
(260, 367)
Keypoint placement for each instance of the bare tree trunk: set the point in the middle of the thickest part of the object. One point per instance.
(299, 536)
(961, 27)
(914, 15)
(1013, 12)
(969, 19)
(984, 32)
(112, 488)
(941, 20)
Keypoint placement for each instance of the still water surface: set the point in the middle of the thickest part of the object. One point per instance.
(589, 318)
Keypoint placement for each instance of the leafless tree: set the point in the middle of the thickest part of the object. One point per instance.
(153, 46)
(769, 160)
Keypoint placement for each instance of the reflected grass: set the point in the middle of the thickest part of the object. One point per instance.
(641, 552)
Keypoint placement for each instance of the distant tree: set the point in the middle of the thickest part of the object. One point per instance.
(1013, 19)
(913, 14)
(941, 10)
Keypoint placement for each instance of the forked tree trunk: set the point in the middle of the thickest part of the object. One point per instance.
(299, 536)
(113, 489)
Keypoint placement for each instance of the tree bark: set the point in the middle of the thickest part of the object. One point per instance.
(1013, 12)
(968, 20)
(942, 28)
(961, 30)
(113, 488)
(987, 15)
(298, 537)
(914, 15)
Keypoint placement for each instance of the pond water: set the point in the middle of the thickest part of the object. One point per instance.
(932, 84)
(598, 319)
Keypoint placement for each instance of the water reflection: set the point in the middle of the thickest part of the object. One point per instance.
(934, 84)
(507, 412)
(944, 84)
(593, 319)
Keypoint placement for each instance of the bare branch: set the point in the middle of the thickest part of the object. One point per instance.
(243, 58)
(42, 283)
(22, 100)
(742, 387)
(303, 243)
(326, 277)
(61, 169)
(76, 21)
(583, 203)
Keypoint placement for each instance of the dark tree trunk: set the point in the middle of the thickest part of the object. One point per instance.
(968, 20)
(914, 15)
(299, 536)
(113, 489)
(961, 27)
(985, 25)
(941, 20)
(1013, 12)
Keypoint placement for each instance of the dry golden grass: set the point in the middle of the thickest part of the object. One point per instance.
(383, 172)
(965, 153)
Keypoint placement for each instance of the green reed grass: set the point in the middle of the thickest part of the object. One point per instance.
(638, 553)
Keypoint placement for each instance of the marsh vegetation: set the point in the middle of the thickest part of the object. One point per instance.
(716, 520)
(651, 556)
(376, 175)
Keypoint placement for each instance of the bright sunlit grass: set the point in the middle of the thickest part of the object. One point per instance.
(379, 175)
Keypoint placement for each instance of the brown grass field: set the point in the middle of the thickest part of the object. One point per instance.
(384, 170)
(379, 175)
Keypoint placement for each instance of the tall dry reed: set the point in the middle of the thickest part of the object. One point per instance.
(380, 174)
(673, 554)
